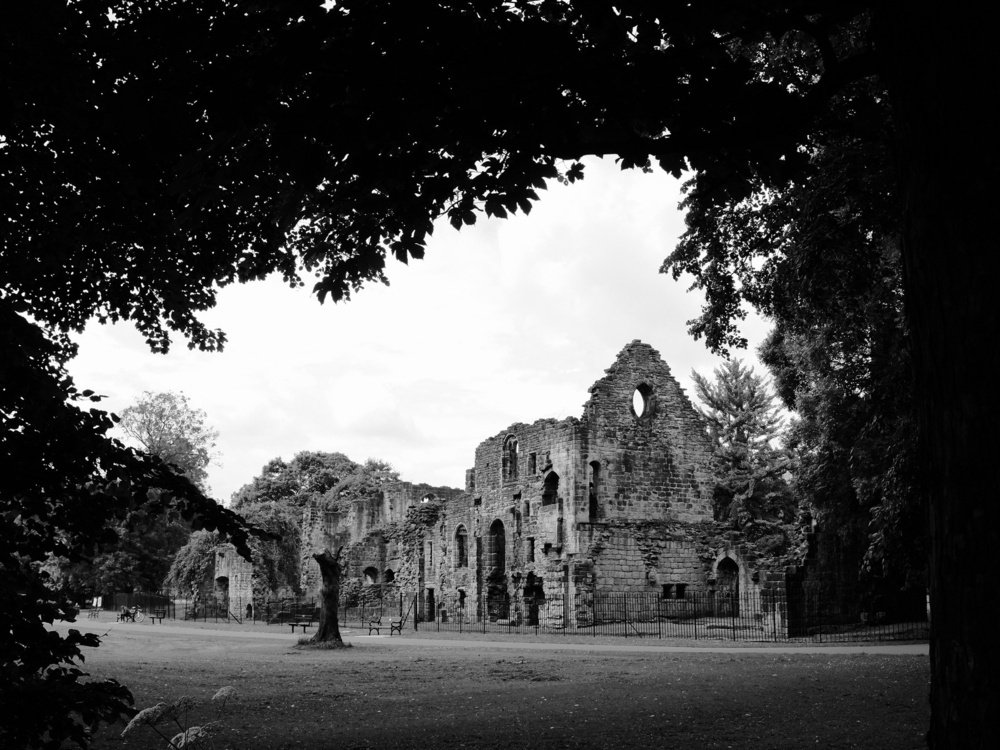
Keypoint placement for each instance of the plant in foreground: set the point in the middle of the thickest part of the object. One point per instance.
(159, 719)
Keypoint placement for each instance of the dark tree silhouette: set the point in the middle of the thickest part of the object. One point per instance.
(165, 149)
(331, 570)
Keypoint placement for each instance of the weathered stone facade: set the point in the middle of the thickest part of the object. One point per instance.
(618, 500)
(228, 583)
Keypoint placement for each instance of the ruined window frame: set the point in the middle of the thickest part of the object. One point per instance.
(550, 488)
(496, 553)
(648, 397)
(461, 546)
(509, 456)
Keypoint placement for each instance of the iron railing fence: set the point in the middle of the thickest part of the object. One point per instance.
(758, 616)
(148, 602)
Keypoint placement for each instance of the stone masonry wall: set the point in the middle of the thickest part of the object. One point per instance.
(618, 500)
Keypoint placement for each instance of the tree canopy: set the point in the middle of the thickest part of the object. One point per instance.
(310, 474)
(820, 256)
(166, 425)
(158, 150)
(163, 425)
(274, 501)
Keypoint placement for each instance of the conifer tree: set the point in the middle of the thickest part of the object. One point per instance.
(744, 423)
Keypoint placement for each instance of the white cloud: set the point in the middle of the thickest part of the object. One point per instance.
(502, 322)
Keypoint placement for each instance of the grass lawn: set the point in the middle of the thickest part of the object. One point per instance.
(397, 693)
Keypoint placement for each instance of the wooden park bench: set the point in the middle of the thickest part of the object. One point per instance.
(157, 614)
(301, 621)
(395, 626)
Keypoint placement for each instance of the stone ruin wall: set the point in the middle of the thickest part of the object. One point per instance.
(569, 494)
(373, 532)
(229, 582)
(618, 500)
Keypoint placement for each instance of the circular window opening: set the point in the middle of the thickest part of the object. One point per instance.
(642, 401)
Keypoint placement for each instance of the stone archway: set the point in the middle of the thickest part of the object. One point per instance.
(727, 587)
(222, 594)
(533, 596)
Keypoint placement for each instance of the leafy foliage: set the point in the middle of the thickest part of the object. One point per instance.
(276, 559)
(306, 140)
(192, 562)
(165, 149)
(743, 422)
(274, 501)
(293, 483)
(165, 425)
(820, 256)
(66, 489)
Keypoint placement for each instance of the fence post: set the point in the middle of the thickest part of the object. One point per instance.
(625, 613)
(659, 619)
(694, 620)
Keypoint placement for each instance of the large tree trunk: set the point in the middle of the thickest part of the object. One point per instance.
(942, 71)
(329, 568)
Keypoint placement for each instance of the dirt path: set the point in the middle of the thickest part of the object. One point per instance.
(421, 692)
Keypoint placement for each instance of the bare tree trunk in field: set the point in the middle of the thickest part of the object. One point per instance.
(941, 69)
(329, 568)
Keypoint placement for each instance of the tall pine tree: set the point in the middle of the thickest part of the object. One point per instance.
(744, 423)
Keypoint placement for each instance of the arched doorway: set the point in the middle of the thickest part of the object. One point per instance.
(222, 594)
(534, 598)
(497, 597)
(430, 606)
(727, 587)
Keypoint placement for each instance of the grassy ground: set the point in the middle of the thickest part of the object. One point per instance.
(399, 693)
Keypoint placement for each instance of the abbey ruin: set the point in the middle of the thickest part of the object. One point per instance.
(618, 500)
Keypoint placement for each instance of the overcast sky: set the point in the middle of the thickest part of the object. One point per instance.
(506, 321)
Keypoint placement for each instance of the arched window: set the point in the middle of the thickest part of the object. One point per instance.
(496, 546)
(390, 576)
(371, 575)
(594, 490)
(550, 488)
(642, 402)
(509, 459)
(461, 547)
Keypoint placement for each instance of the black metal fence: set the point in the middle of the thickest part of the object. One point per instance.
(758, 616)
(145, 601)
(752, 616)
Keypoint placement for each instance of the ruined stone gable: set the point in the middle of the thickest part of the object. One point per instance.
(616, 500)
